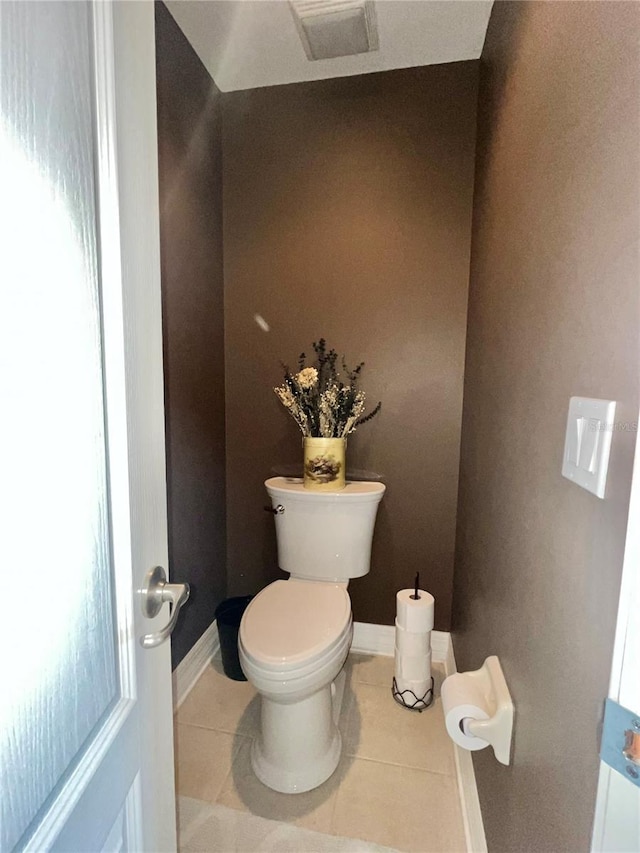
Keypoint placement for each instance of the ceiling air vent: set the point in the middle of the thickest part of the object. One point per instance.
(330, 28)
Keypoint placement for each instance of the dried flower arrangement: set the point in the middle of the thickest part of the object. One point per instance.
(324, 403)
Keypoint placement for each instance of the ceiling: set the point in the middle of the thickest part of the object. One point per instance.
(245, 44)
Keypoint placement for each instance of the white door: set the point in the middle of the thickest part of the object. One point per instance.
(86, 750)
(617, 817)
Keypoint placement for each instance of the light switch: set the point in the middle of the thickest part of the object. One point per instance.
(590, 425)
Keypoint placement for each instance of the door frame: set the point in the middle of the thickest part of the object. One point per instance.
(617, 799)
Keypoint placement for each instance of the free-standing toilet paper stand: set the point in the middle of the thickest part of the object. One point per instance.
(412, 685)
(408, 699)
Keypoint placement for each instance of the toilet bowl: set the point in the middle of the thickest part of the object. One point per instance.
(295, 634)
(292, 660)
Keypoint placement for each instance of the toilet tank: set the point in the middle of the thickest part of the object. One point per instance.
(324, 535)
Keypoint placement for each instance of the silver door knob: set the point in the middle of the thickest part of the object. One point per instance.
(155, 592)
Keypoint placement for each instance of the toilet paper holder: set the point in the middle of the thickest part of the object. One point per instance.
(498, 728)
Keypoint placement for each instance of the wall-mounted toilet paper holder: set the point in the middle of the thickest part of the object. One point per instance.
(486, 688)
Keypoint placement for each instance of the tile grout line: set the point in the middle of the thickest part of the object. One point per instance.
(356, 684)
(185, 837)
(234, 754)
(339, 769)
(333, 812)
(234, 732)
(439, 773)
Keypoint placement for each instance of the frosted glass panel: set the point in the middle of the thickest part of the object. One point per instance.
(59, 660)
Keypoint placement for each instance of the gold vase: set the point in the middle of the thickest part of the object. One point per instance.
(324, 464)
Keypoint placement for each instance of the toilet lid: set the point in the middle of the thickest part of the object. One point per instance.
(294, 621)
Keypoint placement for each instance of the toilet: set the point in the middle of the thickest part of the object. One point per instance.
(295, 635)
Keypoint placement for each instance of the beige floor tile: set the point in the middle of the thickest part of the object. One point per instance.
(217, 702)
(403, 808)
(437, 671)
(372, 669)
(380, 730)
(242, 790)
(376, 669)
(203, 760)
(218, 829)
(348, 699)
(371, 796)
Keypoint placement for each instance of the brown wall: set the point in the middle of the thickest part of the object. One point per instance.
(347, 214)
(553, 312)
(190, 165)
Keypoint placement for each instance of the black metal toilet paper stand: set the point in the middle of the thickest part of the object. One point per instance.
(408, 699)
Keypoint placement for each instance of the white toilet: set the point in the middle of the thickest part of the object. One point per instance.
(295, 634)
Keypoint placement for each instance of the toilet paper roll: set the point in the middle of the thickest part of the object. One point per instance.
(414, 614)
(462, 699)
(412, 642)
(413, 667)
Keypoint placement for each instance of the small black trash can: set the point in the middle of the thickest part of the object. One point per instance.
(228, 617)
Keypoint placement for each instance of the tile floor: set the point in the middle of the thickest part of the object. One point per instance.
(395, 784)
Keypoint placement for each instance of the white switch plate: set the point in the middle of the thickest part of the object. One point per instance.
(587, 443)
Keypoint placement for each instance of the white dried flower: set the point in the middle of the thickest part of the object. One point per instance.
(289, 401)
(321, 401)
(328, 405)
(358, 408)
(307, 378)
(285, 395)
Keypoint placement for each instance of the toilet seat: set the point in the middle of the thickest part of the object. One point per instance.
(294, 626)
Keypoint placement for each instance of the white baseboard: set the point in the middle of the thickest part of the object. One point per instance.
(467, 788)
(371, 639)
(194, 664)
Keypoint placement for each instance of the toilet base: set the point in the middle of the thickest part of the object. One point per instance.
(299, 744)
(296, 781)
